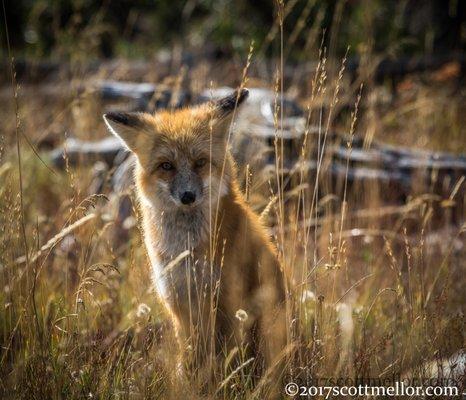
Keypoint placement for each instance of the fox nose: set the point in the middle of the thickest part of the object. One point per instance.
(188, 197)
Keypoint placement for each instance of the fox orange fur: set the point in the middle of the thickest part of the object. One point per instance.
(212, 261)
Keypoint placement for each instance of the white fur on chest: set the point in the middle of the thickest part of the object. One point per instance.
(167, 235)
(158, 279)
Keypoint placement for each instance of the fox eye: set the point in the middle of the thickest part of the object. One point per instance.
(166, 166)
(200, 162)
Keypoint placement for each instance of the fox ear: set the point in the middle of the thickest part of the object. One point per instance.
(227, 105)
(224, 109)
(131, 128)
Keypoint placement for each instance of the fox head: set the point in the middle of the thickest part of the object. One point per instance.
(182, 156)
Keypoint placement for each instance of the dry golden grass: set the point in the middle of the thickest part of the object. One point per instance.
(377, 289)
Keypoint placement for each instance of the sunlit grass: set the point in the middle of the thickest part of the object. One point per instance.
(376, 290)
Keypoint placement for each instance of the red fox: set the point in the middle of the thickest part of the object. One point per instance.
(212, 262)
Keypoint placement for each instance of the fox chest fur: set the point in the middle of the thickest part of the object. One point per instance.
(169, 235)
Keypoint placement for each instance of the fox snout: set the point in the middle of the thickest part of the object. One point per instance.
(186, 188)
(188, 197)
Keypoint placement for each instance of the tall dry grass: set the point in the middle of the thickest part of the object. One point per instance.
(376, 290)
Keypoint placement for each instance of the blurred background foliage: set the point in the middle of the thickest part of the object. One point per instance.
(94, 29)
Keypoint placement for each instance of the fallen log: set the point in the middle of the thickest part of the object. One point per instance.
(397, 171)
(75, 151)
(147, 96)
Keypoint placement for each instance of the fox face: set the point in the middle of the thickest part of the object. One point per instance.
(183, 162)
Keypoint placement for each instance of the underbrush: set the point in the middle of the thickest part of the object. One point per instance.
(376, 289)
